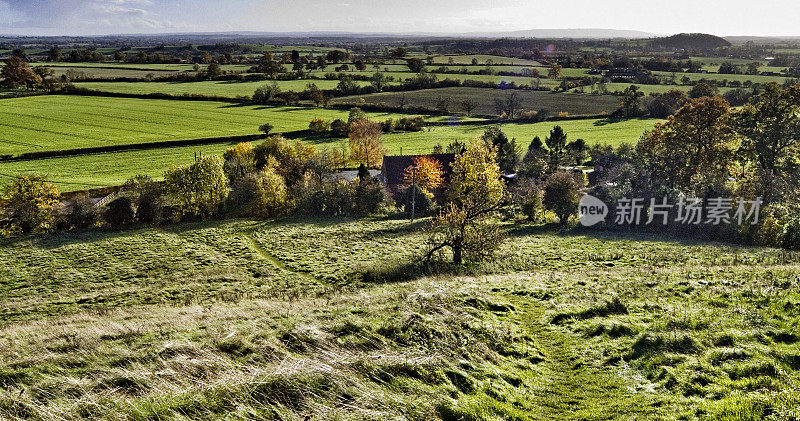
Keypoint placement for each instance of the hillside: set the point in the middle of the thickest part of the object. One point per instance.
(318, 318)
(690, 42)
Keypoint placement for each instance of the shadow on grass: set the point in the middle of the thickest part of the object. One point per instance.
(611, 120)
(411, 270)
(606, 234)
(61, 239)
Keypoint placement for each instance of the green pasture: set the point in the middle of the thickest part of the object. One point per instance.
(573, 103)
(51, 122)
(94, 170)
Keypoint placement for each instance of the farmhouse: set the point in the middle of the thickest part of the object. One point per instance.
(625, 74)
(394, 168)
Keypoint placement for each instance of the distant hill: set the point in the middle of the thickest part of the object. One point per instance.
(573, 33)
(761, 40)
(690, 42)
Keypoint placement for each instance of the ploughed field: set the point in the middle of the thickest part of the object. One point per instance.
(324, 318)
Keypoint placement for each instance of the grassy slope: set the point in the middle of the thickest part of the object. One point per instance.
(78, 172)
(256, 320)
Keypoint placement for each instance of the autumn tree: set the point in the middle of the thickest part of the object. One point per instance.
(465, 227)
(199, 188)
(697, 140)
(291, 161)
(770, 126)
(262, 194)
(554, 72)
(427, 173)
(29, 201)
(702, 89)
(17, 72)
(366, 145)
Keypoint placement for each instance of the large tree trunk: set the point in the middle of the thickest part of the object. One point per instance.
(458, 252)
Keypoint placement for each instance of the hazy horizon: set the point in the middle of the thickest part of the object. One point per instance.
(107, 17)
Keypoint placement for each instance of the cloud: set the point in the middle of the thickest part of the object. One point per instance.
(89, 16)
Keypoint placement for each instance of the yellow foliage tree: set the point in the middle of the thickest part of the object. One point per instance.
(366, 145)
(28, 203)
(476, 191)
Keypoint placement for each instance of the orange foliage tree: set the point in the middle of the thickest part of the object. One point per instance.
(429, 174)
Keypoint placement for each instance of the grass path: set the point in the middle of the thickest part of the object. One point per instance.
(571, 386)
(261, 251)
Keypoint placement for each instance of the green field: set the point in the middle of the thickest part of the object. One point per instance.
(95, 170)
(719, 77)
(230, 89)
(467, 59)
(107, 169)
(47, 123)
(574, 104)
(253, 320)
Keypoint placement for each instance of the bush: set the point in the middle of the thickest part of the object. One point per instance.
(150, 206)
(83, 215)
(345, 198)
(148, 197)
(528, 197)
(561, 195)
(410, 124)
(260, 195)
(422, 203)
(791, 235)
(119, 212)
(339, 128)
(197, 189)
(29, 202)
(319, 125)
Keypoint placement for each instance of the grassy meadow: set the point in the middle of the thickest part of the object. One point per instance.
(319, 318)
(52, 122)
(572, 103)
(224, 88)
(95, 170)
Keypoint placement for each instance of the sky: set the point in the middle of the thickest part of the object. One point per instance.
(100, 17)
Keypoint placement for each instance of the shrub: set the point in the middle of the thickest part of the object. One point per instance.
(148, 197)
(119, 212)
(410, 124)
(29, 201)
(529, 199)
(345, 198)
(150, 206)
(197, 189)
(260, 195)
(83, 215)
(791, 235)
(422, 203)
(561, 195)
(339, 128)
(387, 126)
(319, 125)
